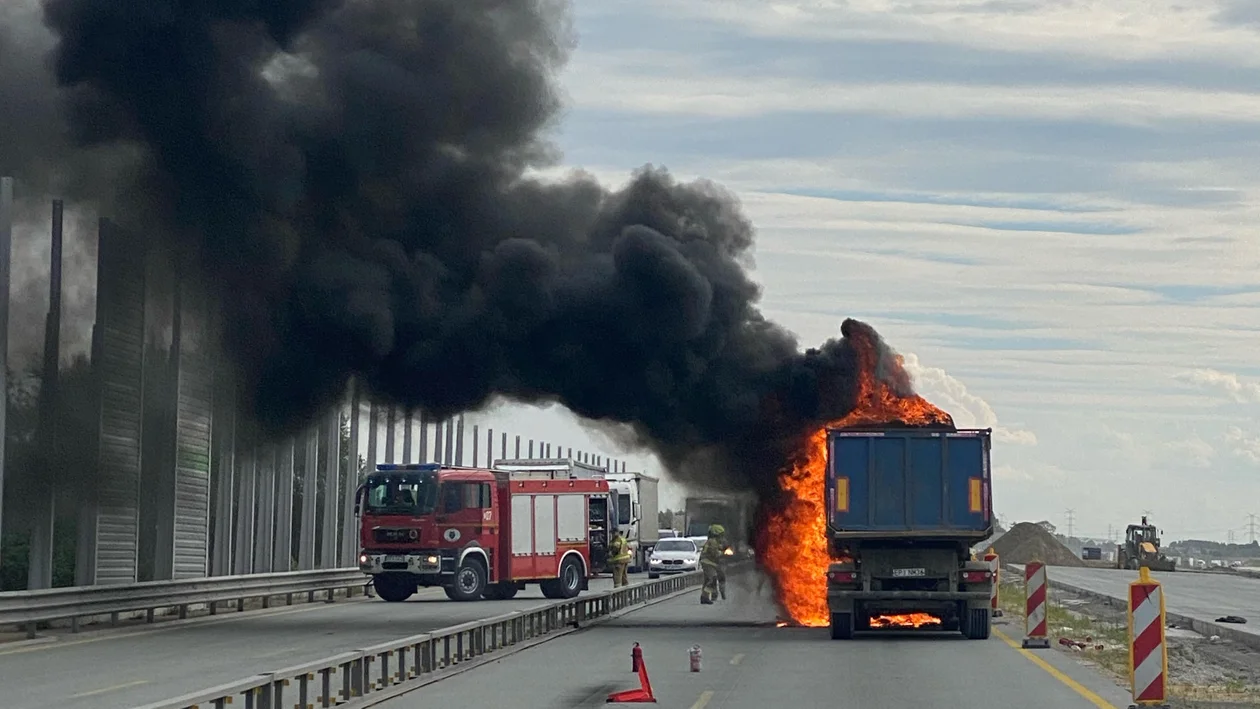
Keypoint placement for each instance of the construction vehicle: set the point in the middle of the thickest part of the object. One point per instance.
(480, 533)
(904, 507)
(1141, 548)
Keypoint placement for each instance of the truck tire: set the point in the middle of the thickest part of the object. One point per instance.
(978, 624)
(469, 582)
(500, 592)
(568, 584)
(394, 589)
(841, 626)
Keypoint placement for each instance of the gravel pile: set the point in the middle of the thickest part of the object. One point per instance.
(1027, 542)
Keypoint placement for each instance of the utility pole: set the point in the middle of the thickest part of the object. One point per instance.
(1071, 520)
(1111, 535)
(1229, 536)
(1251, 527)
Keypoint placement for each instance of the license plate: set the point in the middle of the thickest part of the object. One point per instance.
(902, 573)
(395, 559)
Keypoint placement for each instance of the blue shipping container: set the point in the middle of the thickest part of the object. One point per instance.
(907, 482)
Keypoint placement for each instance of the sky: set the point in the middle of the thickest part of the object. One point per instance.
(1049, 207)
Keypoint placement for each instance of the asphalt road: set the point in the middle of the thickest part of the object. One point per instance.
(1203, 596)
(750, 664)
(131, 667)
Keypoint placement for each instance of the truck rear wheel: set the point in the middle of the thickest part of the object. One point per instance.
(469, 582)
(977, 624)
(861, 619)
(394, 589)
(841, 626)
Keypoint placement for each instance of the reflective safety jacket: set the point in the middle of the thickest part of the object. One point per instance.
(619, 550)
(711, 554)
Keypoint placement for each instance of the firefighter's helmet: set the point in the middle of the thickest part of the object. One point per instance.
(716, 530)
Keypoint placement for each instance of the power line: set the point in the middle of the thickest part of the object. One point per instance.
(1251, 527)
(1071, 520)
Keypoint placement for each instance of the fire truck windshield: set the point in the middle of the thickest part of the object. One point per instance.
(401, 494)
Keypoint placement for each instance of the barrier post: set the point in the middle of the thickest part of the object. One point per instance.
(1148, 653)
(996, 567)
(1035, 635)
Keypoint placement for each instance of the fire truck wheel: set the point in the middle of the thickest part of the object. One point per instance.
(500, 592)
(568, 584)
(393, 588)
(469, 582)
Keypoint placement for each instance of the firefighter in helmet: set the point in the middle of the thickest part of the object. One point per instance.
(619, 556)
(712, 561)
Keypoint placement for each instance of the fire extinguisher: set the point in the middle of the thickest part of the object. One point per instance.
(696, 657)
(636, 658)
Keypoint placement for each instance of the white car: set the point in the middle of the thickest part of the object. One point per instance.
(673, 556)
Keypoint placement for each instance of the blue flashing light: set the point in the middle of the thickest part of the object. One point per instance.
(409, 467)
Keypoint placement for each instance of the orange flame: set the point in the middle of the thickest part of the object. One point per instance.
(796, 551)
(909, 620)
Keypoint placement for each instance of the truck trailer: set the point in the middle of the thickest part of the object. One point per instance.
(733, 511)
(904, 508)
(637, 514)
(480, 533)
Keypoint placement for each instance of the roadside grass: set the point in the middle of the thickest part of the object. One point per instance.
(1064, 623)
(1114, 657)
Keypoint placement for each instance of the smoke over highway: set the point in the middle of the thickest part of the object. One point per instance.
(351, 179)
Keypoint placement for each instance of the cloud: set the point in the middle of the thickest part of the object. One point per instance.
(1119, 29)
(1237, 388)
(697, 93)
(968, 410)
(1246, 445)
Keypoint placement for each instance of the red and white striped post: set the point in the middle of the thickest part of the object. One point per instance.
(1035, 635)
(1148, 654)
(996, 568)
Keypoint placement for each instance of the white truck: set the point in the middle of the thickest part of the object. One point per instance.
(637, 518)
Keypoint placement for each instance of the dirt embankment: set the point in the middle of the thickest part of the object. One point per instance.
(1027, 542)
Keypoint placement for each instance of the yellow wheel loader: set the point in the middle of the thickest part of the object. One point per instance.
(1141, 548)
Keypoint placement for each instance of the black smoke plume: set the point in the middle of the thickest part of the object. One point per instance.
(353, 179)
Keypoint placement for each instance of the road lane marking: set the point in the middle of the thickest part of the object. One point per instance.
(115, 688)
(737, 659)
(703, 701)
(1055, 673)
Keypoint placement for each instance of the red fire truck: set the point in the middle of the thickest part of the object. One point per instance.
(479, 533)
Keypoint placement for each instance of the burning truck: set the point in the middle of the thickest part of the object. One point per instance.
(880, 510)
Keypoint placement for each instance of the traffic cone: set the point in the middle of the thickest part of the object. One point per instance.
(642, 695)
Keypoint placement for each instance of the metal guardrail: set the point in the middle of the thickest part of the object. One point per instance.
(29, 608)
(335, 680)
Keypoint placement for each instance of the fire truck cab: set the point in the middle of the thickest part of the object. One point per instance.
(478, 533)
